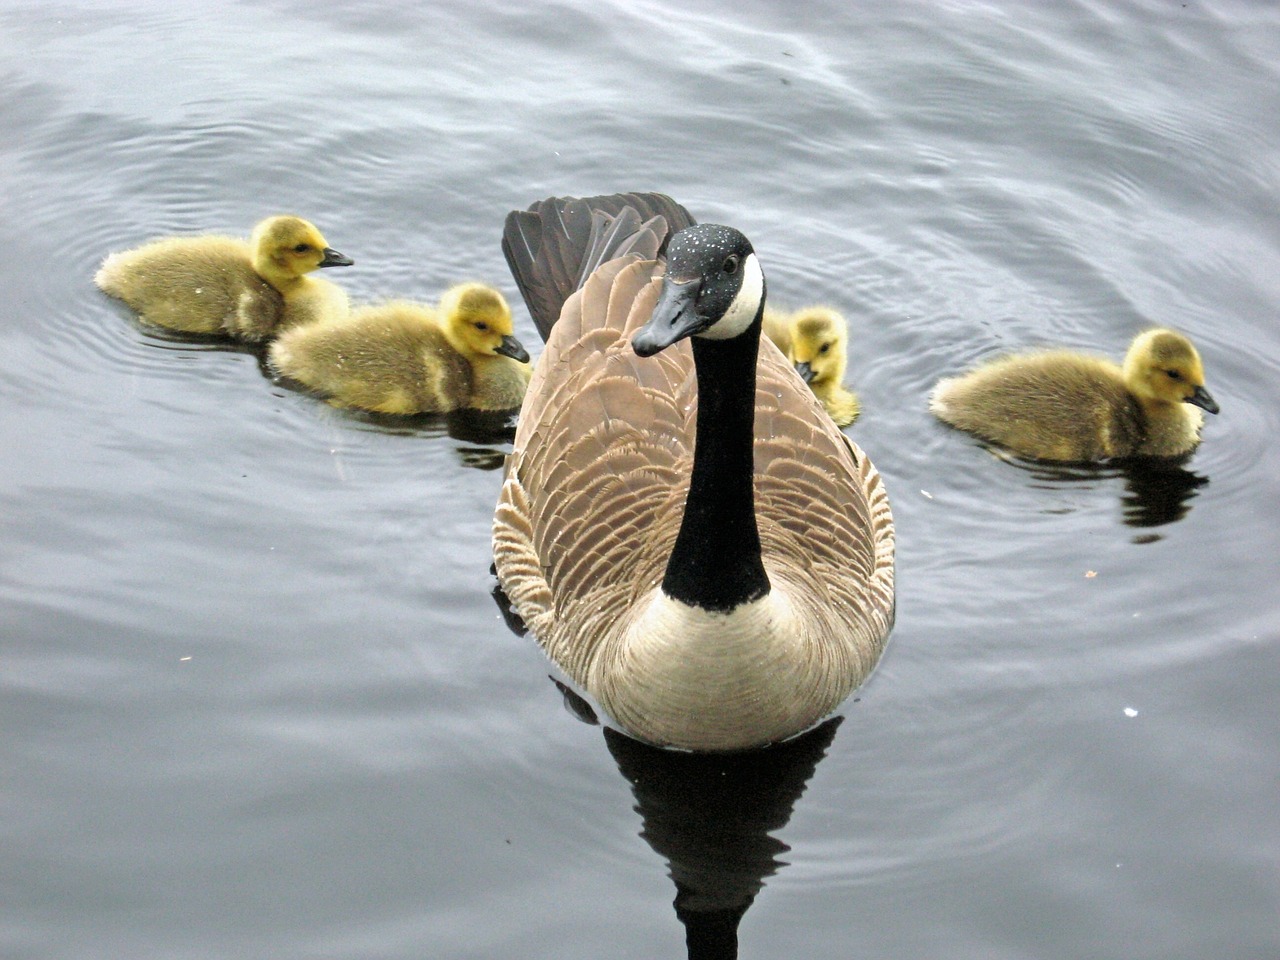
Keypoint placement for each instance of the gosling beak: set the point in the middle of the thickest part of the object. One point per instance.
(1202, 399)
(332, 258)
(675, 316)
(513, 348)
(806, 372)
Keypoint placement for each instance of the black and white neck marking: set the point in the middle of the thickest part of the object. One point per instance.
(715, 562)
(714, 292)
(745, 306)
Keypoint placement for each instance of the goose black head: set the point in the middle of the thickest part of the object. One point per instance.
(713, 288)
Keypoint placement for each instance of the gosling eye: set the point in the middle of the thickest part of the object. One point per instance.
(481, 325)
(302, 248)
(730, 265)
(824, 348)
(1174, 374)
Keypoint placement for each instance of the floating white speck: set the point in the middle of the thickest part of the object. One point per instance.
(926, 493)
(184, 659)
(1130, 712)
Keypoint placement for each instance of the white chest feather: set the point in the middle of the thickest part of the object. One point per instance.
(716, 681)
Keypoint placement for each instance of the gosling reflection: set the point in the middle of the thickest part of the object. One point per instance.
(1157, 491)
(482, 427)
(711, 817)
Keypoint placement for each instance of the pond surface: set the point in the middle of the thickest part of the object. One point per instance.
(257, 698)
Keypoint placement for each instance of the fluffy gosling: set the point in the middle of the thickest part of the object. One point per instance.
(223, 285)
(815, 340)
(407, 358)
(1064, 406)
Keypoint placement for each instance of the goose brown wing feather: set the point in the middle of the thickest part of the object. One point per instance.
(813, 501)
(543, 260)
(623, 440)
(571, 354)
(598, 543)
(555, 245)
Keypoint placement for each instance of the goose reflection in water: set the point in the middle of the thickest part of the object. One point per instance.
(713, 818)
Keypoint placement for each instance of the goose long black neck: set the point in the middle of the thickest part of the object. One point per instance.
(715, 563)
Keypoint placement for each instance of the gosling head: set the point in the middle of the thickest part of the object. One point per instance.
(285, 248)
(818, 337)
(1162, 365)
(713, 289)
(477, 321)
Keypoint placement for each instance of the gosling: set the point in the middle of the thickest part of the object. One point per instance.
(408, 358)
(223, 285)
(815, 341)
(1063, 406)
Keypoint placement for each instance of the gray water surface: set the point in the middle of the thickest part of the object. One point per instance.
(257, 698)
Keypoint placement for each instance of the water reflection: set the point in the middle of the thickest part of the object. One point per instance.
(184, 341)
(1156, 491)
(515, 623)
(488, 432)
(713, 817)
(710, 816)
(485, 429)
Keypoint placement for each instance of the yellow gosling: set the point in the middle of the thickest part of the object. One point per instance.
(815, 340)
(1064, 406)
(223, 285)
(406, 358)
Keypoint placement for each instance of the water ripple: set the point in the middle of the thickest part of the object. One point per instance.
(241, 620)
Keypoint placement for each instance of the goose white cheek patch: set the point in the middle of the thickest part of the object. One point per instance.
(745, 305)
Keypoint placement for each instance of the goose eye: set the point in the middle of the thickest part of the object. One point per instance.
(481, 325)
(1174, 374)
(824, 348)
(302, 248)
(730, 264)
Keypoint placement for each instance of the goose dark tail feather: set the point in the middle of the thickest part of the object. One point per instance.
(557, 243)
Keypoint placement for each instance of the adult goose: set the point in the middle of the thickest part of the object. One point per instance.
(682, 526)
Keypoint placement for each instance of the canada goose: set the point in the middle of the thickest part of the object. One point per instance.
(688, 535)
(1059, 405)
(405, 358)
(223, 285)
(815, 339)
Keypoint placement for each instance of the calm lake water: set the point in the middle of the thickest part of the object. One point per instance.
(257, 698)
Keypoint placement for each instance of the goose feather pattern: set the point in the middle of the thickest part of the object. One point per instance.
(592, 504)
